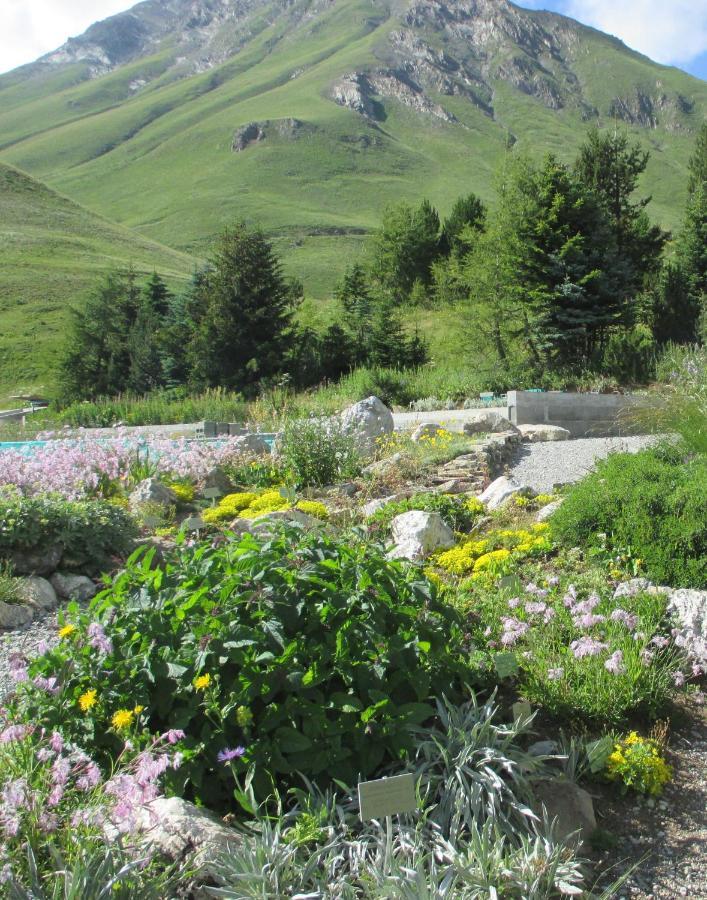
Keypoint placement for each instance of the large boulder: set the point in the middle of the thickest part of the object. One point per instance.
(252, 443)
(73, 587)
(488, 421)
(37, 592)
(425, 431)
(568, 804)
(417, 534)
(15, 615)
(536, 434)
(41, 561)
(500, 491)
(183, 833)
(368, 421)
(152, 490)
(689, 608)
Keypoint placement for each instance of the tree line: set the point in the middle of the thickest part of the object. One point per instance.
(565, 271)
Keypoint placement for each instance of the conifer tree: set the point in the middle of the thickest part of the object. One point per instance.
(468, 212)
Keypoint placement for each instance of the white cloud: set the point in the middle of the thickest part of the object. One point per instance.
(669, 31)
(29, 28)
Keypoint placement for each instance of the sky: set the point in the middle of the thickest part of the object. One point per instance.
(670, 31)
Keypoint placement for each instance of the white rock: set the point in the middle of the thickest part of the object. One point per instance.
(499, 491)
(632, 587)
(425, 430)
(184, 832)
(368, 420)
(690, 609)
(73, 587)
(264, 525)
(15, 615)
(373, 506)
(37, 592)
(539, 433)
(547, 511)
(418, 533)
(152, 490)
(488, 421)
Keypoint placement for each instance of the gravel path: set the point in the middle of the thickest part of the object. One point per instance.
(24, 641)
(541, 466)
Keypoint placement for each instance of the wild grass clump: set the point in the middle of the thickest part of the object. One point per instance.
(683, 410)
(318, 452)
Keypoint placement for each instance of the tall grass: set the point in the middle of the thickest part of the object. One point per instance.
(683, 372)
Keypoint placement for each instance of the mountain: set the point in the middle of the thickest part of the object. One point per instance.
(51, 252)
(309, 116)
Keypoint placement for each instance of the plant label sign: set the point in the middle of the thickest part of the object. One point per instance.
(193, 524)
(212, 493)
(386, 797)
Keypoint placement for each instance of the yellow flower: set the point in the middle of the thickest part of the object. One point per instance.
(201, 682)
(88, 700)
(123, 718)
(138, 709)
(67, 631)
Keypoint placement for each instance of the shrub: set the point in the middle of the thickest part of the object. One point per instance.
(318, 452)
(654, 503)
(459, 513)
(90, 531)
(315, 655)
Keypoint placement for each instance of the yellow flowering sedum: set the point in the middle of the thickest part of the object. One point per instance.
(637, 762)
(313, 508)
(491, 560)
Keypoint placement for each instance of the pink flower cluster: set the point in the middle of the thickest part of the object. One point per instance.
(80, 468)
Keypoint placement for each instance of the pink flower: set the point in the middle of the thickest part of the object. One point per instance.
(173, 735)
(227, 755)
(14, 733)
(513, 629)
(97, 638)
(587, 646)
(678, 678)
(626, 618)
(614, 663)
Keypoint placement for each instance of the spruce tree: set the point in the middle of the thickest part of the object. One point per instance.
(404, 248)
(354, 294)
(468, 212)
(242, 312)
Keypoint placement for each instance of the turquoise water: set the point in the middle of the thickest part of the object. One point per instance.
(25, 446)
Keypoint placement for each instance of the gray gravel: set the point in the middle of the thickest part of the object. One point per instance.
(541, 466)
(24, 641)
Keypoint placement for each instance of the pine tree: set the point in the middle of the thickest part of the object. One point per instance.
(404, 248)
(354, 294)
(697, 166)
(609, 166)
(469, 212)
(676, 310)
(388, 341)
(242, 311)
(96, 360)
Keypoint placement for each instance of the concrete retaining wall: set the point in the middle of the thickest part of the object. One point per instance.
(583, 415)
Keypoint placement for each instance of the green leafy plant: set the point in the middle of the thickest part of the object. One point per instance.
(315, 655)
(317, 452)
(638, 763)
(89, 531)
(654, 502)
(8, 585)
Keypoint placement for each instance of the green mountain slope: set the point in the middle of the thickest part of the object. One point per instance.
(51, 252)
(309, 116)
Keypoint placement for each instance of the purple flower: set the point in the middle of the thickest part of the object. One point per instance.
(553, 581)
(660, 642)
(615, 663)
(173, 735)
(588, 620)
(533, 608)
(98, 639)
(512, 630)
(626, 618)
(555, 674)
(14, 733)
(678, 678)
(227, 755)
(46, 684)
(514, 602)
(56, 742)
(587, 646)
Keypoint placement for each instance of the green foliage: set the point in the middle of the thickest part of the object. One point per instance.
(654, 502)
(316, 452)
(676, 308)
(242, 313)
(683, 411)
(316, 655)
(459, 513)
(90, 531)
(9, 592)
(629, 356)
(468, 214)
(404, 248)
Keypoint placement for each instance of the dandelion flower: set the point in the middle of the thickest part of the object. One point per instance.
(122, 719)
(201, 682)
(67, 631)
(88, 700)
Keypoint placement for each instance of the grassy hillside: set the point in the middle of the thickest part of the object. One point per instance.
(51, 252)
(158, 157)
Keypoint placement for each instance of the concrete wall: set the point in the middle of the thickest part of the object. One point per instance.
(583, 415)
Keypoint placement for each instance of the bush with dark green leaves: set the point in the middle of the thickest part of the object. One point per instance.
(653, 503)
(89, 531)
(316, 655)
